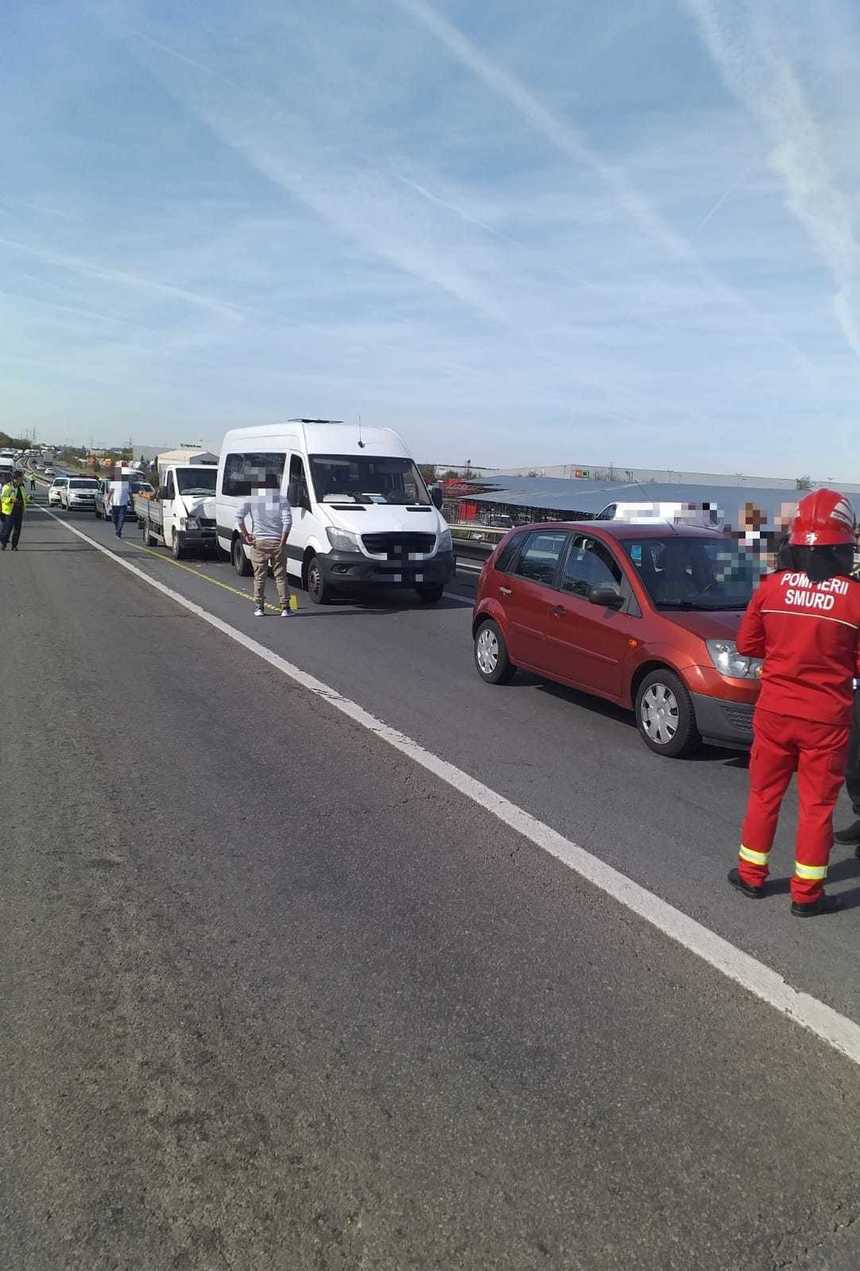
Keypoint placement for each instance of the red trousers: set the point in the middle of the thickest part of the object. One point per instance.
(782, 745)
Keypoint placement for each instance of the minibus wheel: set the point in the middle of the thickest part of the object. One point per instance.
(241, 564)
(318, 589)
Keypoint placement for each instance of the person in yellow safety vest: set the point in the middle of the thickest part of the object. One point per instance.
(13, 500)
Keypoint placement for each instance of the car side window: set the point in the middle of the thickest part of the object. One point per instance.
(169, 490)
(540, 556)
(589, 564)
(507, 557)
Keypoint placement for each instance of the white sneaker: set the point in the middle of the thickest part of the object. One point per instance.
(285, 612)
(259, 612)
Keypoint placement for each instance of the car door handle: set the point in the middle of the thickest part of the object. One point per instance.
(505, 591)
(558, 611)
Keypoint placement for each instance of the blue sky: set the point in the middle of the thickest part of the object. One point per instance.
(519, 232)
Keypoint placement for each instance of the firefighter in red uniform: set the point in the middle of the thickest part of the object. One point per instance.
(804, 622)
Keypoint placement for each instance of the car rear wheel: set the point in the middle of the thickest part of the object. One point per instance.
(241, 564)
(491, 654)
(148, 540)
(665, 716)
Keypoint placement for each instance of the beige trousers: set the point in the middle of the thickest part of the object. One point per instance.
(264, 551)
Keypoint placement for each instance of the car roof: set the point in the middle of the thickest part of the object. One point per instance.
(627, 529)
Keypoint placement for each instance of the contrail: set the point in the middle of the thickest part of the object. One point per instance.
(76, 265)
(569, 141)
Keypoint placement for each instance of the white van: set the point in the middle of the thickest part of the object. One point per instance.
(362, 515)
(702, 515)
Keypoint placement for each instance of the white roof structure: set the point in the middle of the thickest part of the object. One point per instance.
(187, 455)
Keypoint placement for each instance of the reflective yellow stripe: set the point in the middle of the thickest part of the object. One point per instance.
(811, 872)
(754, 858)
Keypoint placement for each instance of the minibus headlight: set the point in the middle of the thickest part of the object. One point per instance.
(342, 540)
(725, 657)
(446, 543)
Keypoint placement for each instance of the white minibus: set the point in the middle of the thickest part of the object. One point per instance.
(362, 515)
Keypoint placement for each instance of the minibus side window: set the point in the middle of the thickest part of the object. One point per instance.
(244, 473)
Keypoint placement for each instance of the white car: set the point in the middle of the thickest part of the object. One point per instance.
(55, 492)
(78, 492)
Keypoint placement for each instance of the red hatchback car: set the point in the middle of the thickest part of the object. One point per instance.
(644, 615)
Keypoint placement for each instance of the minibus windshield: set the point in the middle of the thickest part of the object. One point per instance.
(695, 573)
(367, 479)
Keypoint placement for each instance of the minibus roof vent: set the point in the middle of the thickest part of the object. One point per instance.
(314, 421)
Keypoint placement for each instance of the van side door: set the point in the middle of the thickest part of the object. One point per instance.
(168, 508)
(298, 493)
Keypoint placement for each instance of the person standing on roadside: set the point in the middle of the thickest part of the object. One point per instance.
(32, 483)
(13, 500)
(118, 499)
(271, 519)
(804, 622)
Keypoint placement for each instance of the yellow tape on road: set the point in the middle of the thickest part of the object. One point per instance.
(168, 560)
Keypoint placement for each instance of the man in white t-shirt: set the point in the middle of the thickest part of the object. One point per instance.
(118, 498)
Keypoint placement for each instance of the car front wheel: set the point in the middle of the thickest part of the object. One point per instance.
(665, 716)
(491, 654)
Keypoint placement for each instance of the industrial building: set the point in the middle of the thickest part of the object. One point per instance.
(522, 499)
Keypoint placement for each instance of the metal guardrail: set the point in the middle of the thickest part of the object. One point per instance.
(475, 542)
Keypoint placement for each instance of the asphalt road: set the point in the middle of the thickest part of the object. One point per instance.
(275, 997)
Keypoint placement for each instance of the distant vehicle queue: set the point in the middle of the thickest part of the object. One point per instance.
(640, 607)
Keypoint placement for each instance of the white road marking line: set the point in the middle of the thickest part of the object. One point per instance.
(762, 981)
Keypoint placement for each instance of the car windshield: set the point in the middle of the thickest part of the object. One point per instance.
(695, 573)
(367, 479)
(83, 484)
(196, 480)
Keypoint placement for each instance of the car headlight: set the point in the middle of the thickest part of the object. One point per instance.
(445, 543)
(725, 657)
(342, 540)
(190, 522)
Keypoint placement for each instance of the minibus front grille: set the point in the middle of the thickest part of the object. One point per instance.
(397, 546)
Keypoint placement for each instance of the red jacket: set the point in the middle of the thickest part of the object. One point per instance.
(809, 637)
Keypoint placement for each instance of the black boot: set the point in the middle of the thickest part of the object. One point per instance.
(823, 905)
(755, 893)
(851, 834)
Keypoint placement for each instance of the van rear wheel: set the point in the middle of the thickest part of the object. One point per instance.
(665, 716)
(241, 564)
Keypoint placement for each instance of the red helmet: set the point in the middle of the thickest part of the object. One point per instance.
(824, 518)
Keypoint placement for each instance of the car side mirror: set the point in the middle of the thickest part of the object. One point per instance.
(437, 497)
(606, 596)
